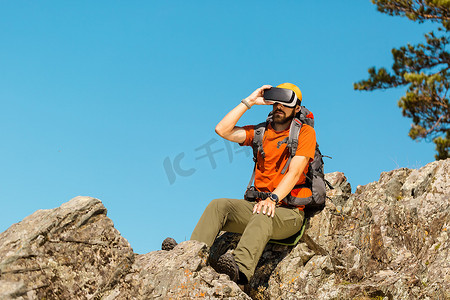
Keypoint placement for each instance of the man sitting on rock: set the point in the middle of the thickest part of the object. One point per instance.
(264, 219)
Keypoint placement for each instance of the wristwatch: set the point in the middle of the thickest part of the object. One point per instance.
(274, 198)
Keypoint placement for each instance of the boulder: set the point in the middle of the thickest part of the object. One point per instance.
(181, 273)
(388, 240)
(74, 252)
(58, 253)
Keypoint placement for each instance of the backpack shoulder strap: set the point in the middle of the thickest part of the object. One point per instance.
(258, 140)
(259, 130)
(257, 144)
(257, 147)
(304, 116)
(292, 144)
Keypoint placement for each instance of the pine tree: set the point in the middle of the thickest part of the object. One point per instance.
(423, 69)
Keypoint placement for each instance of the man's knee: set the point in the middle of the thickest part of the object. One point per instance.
(220, 204)
(263, 222)
(263, 218)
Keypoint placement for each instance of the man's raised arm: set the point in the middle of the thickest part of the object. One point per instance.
(227, 126)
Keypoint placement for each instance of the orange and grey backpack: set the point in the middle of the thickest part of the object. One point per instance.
(315, 178)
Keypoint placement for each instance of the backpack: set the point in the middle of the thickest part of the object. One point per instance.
(315, 177)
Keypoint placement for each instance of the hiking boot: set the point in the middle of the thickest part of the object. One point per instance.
(168, 244)
(227, 265)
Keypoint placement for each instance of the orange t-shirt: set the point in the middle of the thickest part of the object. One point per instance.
(268, 170)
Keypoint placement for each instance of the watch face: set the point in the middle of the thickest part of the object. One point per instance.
(274, 197)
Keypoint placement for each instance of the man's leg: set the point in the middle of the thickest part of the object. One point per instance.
(259, 230)
(237, 216)
(222, 214)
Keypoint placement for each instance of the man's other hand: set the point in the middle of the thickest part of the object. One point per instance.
(268, 206)
(257, 97)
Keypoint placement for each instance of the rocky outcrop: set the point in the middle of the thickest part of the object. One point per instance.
(62, 252)
(74, 252)
(388, 240)
(181, 273)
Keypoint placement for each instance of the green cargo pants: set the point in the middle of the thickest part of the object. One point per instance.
(236, 215)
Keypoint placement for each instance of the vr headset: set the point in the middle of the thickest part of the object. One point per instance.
(279, 95)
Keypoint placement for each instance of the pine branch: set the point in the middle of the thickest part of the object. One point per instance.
(423, 68)
(414, 10)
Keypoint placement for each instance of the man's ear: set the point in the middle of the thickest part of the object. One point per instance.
(297, 108)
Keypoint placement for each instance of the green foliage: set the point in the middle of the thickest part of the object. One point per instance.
(423, 69)
(442, 146)
(417, 10)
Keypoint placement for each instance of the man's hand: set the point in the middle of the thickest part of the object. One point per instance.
(257, 97)
(267, 206)
(227, 128)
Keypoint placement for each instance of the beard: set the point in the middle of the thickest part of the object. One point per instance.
(280, 117)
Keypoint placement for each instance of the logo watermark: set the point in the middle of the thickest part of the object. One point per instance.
(208, 150)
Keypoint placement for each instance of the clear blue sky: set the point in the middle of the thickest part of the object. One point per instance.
(96, 96)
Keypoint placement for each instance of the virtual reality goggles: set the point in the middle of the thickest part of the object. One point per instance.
(279, 95)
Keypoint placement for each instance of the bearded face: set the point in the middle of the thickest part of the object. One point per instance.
(283, 115)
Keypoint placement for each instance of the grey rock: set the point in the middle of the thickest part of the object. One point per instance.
(74, 252)
(181, 273)
(62, 252)
(341, 188)
(388, 240)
